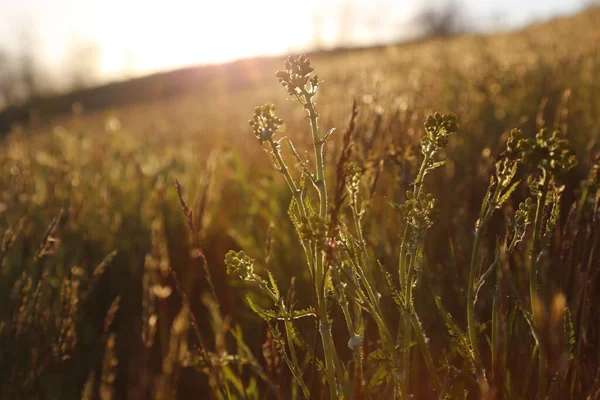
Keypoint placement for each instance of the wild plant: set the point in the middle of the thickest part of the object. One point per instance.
(337, 253)
(310, 223)
(419, 213)
(543, 159)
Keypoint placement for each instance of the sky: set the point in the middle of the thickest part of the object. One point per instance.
(135, 37)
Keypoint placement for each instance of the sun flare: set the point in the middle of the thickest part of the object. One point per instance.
(168, 37)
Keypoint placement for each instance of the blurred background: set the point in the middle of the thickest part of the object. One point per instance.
(49, 47)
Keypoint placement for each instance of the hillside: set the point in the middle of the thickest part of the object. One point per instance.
(249, 74)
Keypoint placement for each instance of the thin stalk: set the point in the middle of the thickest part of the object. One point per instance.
(404, 273)
(407, 330)
(371, 302)
(367, 279)
(296, 370)
(298, 196)
(356, 350)
(471, 323)
(529, 318)
(324, 325)
(318, 145)
(299, 378)
(533, 289)
(422, 342)
(418, 183)
(296, 192)
(413, 320)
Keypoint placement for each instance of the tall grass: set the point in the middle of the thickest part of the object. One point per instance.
(407, 254)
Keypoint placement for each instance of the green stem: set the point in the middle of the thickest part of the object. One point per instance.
(421, 340)
(367, 281)
(407, 330)
(533, 289)
(405, 284)
(320, 278)
(318, 145)
(487, 212)
(298, 196)
(413, 321)
(288, 329)
(356, 350)
(328, 350)
(297, 193)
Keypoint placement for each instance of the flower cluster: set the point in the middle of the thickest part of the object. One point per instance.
(438, 129)
(265, 123)
(554, 150)
(548, 150)
(524, 215)
(296, 77)
(240, 264)
(517, 146)
(419, 212)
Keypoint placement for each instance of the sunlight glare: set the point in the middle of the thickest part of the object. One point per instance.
(197, 32)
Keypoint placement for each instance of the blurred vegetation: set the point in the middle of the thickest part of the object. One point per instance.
(104, 265)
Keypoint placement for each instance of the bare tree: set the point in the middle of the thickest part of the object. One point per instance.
(442, 20)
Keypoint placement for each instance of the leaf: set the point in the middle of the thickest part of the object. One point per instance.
(381, 377)
(452, 327)
(273, 285)
(570, 337)
(461, 339)
(326, 136)
(553, 219)
(265, 314)
(506, 195)
(307, 312)
(435, 165)
(393, 290)
(394, 205)
(486, 199)
(310, 210)
(293, 217)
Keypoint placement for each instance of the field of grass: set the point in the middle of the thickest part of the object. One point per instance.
(442, 243)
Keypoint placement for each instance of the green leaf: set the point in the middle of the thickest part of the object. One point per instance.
(393, 290)
(553, 219)
(394, 205)
(273, 285)
(381, 377)
(293, 217)
(310, 210)
(486, 198)
(329, 132)
(265, 314)
(307, 312)
(506, 195)
(570, 337)
(435, 165)
(461, 339)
